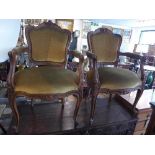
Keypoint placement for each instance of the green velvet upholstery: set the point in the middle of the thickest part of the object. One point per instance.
(116, 78)
(48, 45)
(105, 50)
(105, 46)
(45, 80)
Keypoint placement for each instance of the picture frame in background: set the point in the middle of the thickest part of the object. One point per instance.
(65, 24)
(118, 31)
(32, 21)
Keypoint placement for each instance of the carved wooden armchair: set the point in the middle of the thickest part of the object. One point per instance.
(48, 49)
(104, 50)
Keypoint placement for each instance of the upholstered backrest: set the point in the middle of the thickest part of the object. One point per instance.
(104, 44)
(48, 43)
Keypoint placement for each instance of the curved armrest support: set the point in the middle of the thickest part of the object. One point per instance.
(94, 68)
(13, 57)
(137, 57)
(91, 55)
(131, 55)
(77, 55)
(80, 66)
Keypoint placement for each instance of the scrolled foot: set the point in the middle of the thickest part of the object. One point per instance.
(87, 132)
(2, 128)
(75, 123)
(15, 129)
(91, 121)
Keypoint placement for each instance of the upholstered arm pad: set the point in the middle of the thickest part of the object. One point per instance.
(80, 66)
(131, 55)
(13, 55)
(77, 55)
(93, 70)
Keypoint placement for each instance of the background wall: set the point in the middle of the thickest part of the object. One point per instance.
(136, 31)
(9, 32)
(78, 23)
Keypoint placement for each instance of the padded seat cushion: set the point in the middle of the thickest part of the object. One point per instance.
(45, 80)
(113, 78)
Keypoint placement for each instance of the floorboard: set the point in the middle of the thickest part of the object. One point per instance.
(49, 118)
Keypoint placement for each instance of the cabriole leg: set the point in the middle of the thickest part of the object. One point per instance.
(12, 102)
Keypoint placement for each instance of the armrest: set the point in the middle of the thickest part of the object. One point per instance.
(80, 66)
(13, 57)
(94, 69)
(91, 55)
(137, 57)
(19, 50)
(131, 55)
(77, 55)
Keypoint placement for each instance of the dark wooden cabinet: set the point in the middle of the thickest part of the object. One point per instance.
(111, 119)
(151, 126)
(144, 110)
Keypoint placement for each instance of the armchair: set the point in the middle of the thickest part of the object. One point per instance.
(47, 49)
(102, 78)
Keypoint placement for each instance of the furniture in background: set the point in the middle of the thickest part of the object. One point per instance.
(143, 108)
(149, 74)
(104, 50)
(47, 48)
(149, 69)
(151, 126)
(145, 49)
(4, 67)
(1, 112)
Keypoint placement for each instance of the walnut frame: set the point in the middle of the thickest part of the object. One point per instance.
(10, 79)
(100, 31)
(95, 85)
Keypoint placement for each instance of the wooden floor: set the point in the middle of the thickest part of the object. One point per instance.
(49, 118)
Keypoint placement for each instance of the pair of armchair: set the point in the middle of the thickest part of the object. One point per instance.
(48, 49)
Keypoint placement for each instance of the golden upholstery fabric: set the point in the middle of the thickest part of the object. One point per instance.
(48, 45)
(45, 80)
(105, 47)
(116, 78)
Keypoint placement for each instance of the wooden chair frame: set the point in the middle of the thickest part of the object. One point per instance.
(95, 85)
(17, 51)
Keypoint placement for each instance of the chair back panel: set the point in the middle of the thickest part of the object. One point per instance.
(104, 44)
(49, 43)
